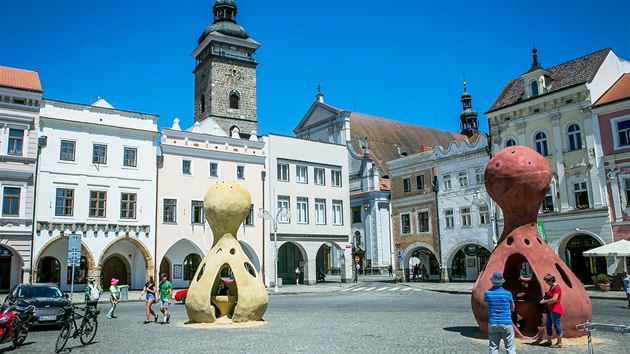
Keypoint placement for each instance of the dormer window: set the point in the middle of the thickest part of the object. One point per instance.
(234, 100)
(534, 87)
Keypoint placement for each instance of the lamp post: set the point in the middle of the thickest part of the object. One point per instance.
(266, 215)
(479, 199)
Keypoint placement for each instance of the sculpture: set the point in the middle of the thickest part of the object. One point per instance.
(226, 205)
(517, 178)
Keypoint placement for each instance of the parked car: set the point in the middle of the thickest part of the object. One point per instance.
(47, 298)
(181, 295)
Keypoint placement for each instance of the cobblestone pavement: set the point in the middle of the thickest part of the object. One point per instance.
(417, 321)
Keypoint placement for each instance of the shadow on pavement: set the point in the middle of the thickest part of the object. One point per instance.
(13, 347)
(467, 331)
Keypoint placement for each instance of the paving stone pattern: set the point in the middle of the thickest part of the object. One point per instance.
(331, 322)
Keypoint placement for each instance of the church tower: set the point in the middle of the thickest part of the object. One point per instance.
(468, 117)
(225, 73)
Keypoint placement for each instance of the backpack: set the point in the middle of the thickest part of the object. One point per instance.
(94, 293)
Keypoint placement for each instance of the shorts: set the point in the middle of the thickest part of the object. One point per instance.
(163, 304)
(150, 297)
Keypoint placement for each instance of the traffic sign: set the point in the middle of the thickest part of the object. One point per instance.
(74, 242)
(356, 259)
(400, 255)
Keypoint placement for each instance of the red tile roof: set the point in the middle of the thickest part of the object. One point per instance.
(574, 72)
(19, 78)
(620, 90)
(385, 137)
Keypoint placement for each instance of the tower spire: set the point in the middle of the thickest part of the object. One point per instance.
(468, 117)
(535, 63)
(319, 97)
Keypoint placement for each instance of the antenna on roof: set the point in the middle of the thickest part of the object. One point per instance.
(464, 76)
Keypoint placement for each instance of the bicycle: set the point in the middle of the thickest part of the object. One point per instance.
(86, 331)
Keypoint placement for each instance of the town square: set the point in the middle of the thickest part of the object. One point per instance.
(298, 176)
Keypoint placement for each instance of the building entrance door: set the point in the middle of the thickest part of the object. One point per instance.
(584, 267)
(5, 274)
(114, 267)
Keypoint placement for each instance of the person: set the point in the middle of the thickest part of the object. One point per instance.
(114, 296)
(416, 270)
(500, 306)
(149, 289)
(357, 268)
(390, 270)
(297, 275)
(166, 294)
(553, 299)
(223, 289)
(625, 278)
(92, 293)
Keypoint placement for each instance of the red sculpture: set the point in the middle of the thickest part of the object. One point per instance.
(517, 178)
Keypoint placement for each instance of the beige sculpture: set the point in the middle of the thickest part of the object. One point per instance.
(226, 206)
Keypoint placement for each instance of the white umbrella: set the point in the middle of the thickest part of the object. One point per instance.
(616, 249)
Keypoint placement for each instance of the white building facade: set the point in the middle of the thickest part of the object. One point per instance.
(20, 96)
(97, 179)
(310, 180)
(548, 109)
(190, 163)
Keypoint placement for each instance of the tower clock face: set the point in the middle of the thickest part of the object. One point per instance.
(235, 75)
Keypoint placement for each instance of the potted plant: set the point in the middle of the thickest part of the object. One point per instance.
(604, 282)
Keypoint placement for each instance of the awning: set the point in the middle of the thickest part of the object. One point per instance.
(620, 248)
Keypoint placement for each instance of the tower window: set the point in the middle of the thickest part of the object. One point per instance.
(534, 87)
(234, 100)
(202, 104)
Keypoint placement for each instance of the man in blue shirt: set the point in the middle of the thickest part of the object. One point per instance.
(500, 306)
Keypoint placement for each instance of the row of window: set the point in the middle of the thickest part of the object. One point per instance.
(64, 204)
(449, 219)
(301, 175)
(197, 216)
(302, 210)
(574, 140)
(462, 179)
(68, 149)
(213, 169)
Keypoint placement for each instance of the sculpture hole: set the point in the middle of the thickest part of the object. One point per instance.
(527, 241)
(521, 281)
(539, 241)
(513, 151)
(497, 164)
(200, 272)
(510, 240)
(250, 269)
(224, 293)
(219, 250)
(564, 276)
(529, 163)
(232, 251)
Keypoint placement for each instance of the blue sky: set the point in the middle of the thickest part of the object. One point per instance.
(401, 60)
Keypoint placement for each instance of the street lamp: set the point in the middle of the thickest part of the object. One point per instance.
(266, 215)
(479, 199)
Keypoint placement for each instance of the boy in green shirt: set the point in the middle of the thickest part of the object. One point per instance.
(166, 294)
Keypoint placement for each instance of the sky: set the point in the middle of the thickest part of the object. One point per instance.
(402, 60)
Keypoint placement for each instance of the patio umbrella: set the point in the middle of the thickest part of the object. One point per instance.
(616, 249)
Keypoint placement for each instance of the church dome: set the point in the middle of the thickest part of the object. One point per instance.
(224, 21)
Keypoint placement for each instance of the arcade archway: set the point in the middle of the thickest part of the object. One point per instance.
(468, 261)
(420, 256)
(583, 267)
(290, 256)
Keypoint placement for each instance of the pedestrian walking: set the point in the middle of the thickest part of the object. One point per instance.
(166, 294)
(357, 268)
(553, 299)
(416, 271)
(114, 296)
(425, 274)
(297, 275)
(500, 306)
(625, 278)
(390, 270)
(149, 290)
(92, 292)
